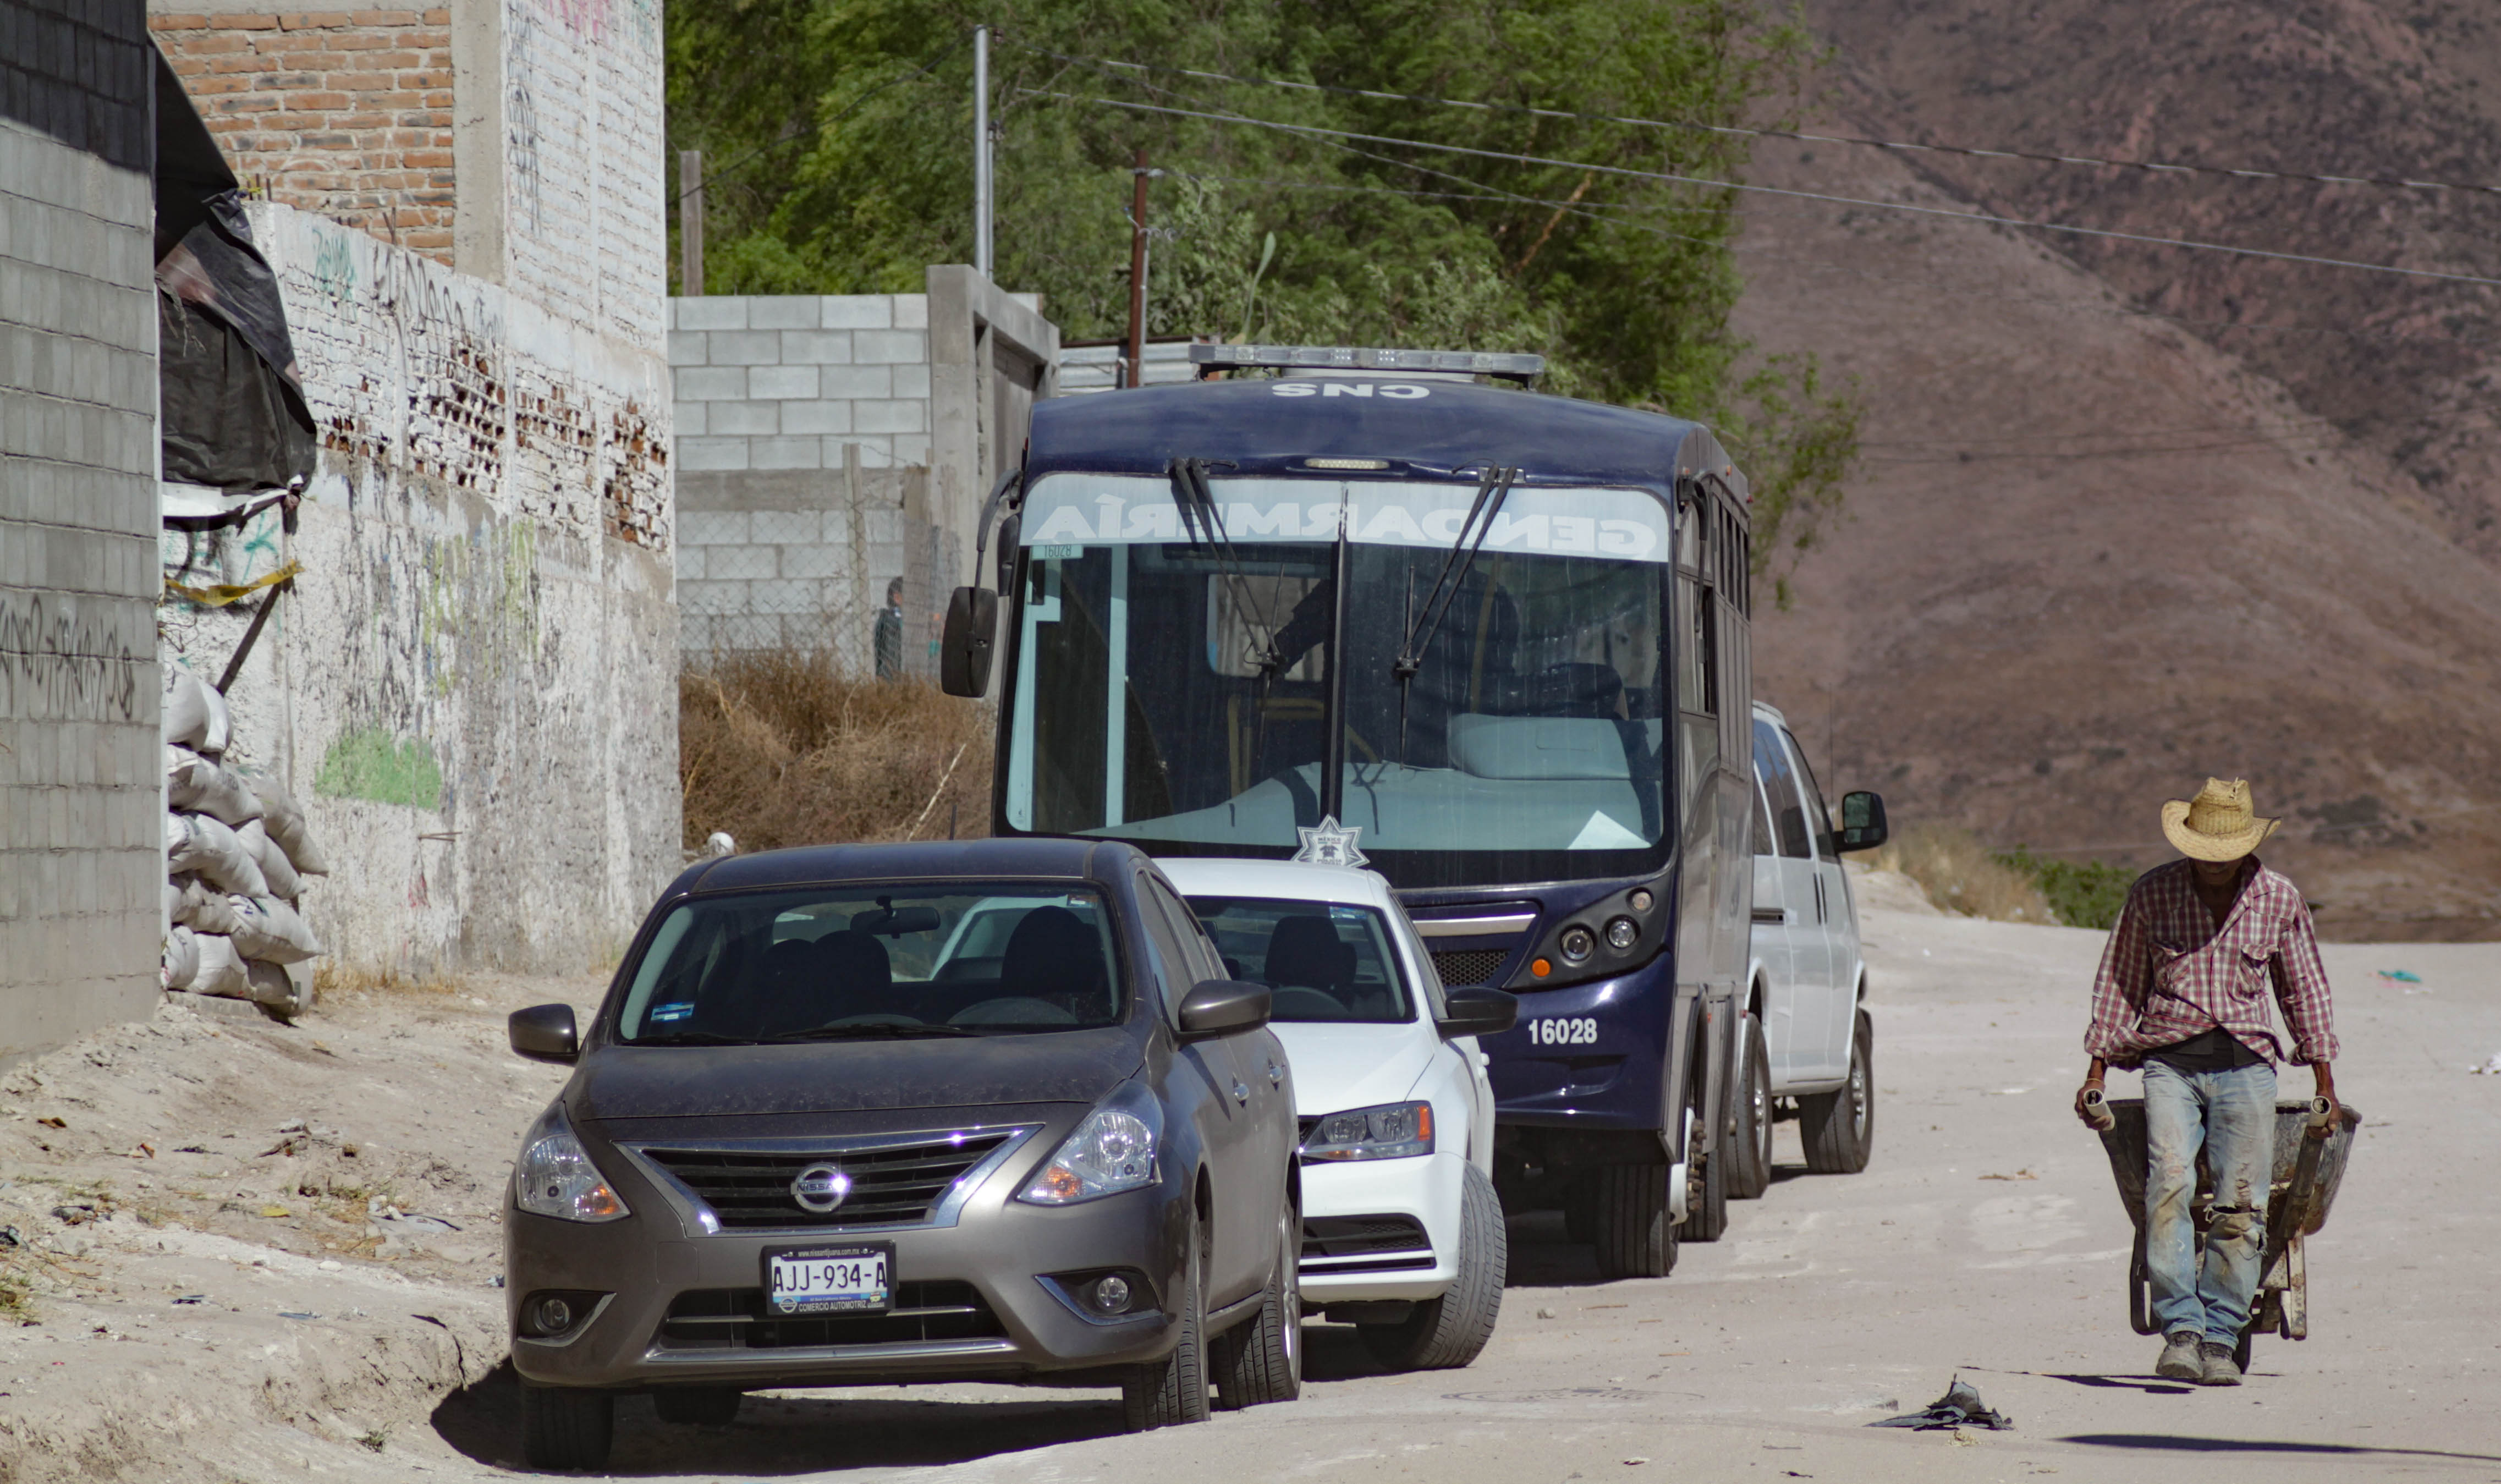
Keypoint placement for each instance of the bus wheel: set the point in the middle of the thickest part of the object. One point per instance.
(1635, 1237)
(1839, 1127)
(1705, 1198)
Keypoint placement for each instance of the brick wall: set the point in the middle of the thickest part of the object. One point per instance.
(343, 112)
(81, 842)
(784, 382)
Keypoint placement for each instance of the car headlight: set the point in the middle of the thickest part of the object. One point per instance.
(1113, 1150)
(1394, 1130)
(554, 1176)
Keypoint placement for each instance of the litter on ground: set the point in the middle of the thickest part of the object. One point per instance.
(1959, 1407)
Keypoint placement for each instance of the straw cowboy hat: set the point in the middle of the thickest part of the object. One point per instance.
(2219, 824)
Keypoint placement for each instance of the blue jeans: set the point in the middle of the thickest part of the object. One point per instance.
(2231, 1116)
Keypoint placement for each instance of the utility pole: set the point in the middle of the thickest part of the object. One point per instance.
(982, 151)
(690, 223)
(1138, 273)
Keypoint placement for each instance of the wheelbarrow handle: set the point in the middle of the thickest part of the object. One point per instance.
(2323, 1120)
(2097, 1110)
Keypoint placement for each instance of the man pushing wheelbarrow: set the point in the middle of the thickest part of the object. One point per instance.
(2201, 946)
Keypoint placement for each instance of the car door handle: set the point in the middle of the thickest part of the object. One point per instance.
(1241, 1091)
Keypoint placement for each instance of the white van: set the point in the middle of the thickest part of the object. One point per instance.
(1807, 1041)
(1402, 1234)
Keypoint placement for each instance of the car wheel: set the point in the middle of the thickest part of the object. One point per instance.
(1451, 1332)
(702, 1406)
(1173, 1390)
(1750, 1127)
(1262, 1361)
(567, 1428)
(1635, 1237)
(1840, 1127)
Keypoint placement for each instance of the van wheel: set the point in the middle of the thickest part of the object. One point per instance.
(1173, 1390)
(1262, 1361)
(1750, 1124)
(1448, 1333)
(1840, 1127)
(1635, 1237)
(700, 1406)
(566, 1426)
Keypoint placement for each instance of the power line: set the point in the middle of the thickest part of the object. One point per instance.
(1991, 218)
(2165, 167)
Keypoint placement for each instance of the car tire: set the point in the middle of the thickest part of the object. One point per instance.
(1635, 1237)
(1450, 1331)
(1261, 1361)
(1173, 1390)
(698, 1406)
(1840, 1127)
(566, 1426)
(1750, 1124)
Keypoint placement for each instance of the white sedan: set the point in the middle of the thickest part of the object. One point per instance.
(1402, 1234)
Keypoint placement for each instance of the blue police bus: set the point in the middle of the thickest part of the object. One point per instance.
(1380, 606)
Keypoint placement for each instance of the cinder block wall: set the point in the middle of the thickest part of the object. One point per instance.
(80, 838)
(342, 112)
(784, 382)
(803, 445)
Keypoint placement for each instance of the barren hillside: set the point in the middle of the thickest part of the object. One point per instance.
(2093, 553)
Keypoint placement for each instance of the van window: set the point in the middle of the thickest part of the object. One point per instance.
(1818, 817)
(1781, 787)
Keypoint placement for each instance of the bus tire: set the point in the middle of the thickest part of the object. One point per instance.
(1839, 1127)
(1706, 1202)
(1750, 1120)
(1635, 1237)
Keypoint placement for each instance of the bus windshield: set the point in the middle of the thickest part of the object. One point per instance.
(1176, 687)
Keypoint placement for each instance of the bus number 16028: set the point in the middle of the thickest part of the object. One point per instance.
(1576, 1031)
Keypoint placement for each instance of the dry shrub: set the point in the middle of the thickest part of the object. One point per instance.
(783, 747)
(1962, 875)
(334, 981)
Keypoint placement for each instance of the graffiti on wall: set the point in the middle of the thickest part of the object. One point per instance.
(59, 663)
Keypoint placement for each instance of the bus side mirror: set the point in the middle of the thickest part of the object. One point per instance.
(1863, 821)
(964, 653)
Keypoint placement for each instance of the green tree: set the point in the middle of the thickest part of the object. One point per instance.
(838, 140)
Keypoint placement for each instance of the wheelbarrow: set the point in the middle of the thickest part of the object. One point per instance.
(2309, 1165)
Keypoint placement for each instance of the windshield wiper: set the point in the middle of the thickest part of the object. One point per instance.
(881, 1030)
(691, 1038)
(1491, 491)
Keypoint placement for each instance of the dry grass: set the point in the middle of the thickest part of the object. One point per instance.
(1961, 875)
(334, 981)
(786, 748)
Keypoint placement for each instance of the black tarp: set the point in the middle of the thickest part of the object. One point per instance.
(234, 414)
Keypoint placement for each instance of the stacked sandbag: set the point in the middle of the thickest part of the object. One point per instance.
(237, 850)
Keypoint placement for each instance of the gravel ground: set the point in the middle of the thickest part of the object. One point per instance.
(1984, 1240)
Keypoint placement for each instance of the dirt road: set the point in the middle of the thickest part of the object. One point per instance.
(1983, 1239)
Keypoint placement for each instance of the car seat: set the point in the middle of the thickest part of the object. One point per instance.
(1305, 954)
(1056, 957)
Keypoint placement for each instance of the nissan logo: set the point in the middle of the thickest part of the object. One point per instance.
(820, 1188)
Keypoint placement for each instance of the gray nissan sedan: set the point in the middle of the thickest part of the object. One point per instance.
(875, 1114)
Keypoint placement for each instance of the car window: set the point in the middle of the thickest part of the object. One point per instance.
(1169, 961)
(1197, 947)
(1818, 817)
(1437, 1002)
(832, 962)
(1325, 960)
(1780, 784)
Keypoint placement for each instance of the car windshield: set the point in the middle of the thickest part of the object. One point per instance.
(1325, 960)
(862, 962)
(1174, 686)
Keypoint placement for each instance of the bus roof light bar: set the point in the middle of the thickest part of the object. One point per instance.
(1503, 365)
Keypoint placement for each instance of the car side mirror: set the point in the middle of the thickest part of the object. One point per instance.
(1477, 1011)
(964, 653)
(1225, 1007)
(1863, 821)
(544, 1034)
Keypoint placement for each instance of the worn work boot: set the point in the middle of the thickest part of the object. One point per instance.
(2221, 1370)
(2180, 1361)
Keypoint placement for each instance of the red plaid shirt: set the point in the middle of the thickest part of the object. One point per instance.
(2169, 973)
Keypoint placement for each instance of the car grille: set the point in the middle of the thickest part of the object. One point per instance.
(1364, 1244)
(1470, 966)
(894, 1186)
(735, 1319)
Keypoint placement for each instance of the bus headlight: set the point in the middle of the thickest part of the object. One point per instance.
(1577, 943)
